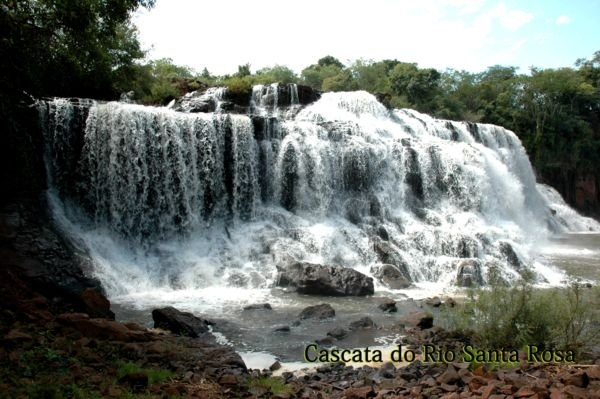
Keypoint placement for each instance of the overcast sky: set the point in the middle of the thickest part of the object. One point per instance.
(459, 34)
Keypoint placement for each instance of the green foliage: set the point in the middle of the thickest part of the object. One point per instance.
(238, 86)
(155, 376)
(276, 74)
(67, 47)
(503, 316)
(160, 81)
(419, 86)
(327, 67)
(274, 385)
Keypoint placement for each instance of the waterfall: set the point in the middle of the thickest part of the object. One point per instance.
(188, 200)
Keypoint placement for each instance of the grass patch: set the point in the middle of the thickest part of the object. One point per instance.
(155, 376)
(275, 385)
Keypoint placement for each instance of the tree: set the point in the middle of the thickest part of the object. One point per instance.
(326, 67)
(419, 86)
(276, 74)
(67, 47)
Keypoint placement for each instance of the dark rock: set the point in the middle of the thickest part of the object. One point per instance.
(181, 323)
(435, 302)
(391, 276)
(355, 210)
(319, 312)
(421, 320)
(282, 329)
(387, 253)
(468, 273)
(388, 305)
(96, 304)
(327, 341)
(275, 366)
(259, 306)
(314, 279)
(338, 333)
(307, 95)
(511, 256)
(365, 322)
(15, 336)
(382, 233)
(137, 381)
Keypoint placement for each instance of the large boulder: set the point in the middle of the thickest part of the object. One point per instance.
(178, 322)
(96, 304)
(392, 276)
(315, 279)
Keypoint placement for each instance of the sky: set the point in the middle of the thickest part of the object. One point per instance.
(459, 34)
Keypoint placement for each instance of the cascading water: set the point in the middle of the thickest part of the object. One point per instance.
(177, 206)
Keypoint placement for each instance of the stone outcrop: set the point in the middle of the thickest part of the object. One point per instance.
(392, 276)
(221, 99)
(315, 279)
(178, 322)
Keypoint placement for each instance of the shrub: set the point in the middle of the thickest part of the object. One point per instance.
(510, 317)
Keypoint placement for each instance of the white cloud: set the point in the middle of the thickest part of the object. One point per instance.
(563, 20)
(220, 35)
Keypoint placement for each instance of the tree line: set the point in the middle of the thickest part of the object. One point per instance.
(89, 48)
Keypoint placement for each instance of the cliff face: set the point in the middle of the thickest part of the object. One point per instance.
(580, 190)
(22, 172)
(587, 195)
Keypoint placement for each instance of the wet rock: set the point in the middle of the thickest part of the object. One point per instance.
(275, 366)
(391, 276)
(319, 312)
(355, 210)
(382, 233)
(259, 306)
(181, 323)
(282, 329)
(327, 341)
(388, 305)
(314, 279)
(96, 304)
(468, 273)
(511, 256)
(337, 333)
(237, 280)
(421, 320)
(363, 323)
